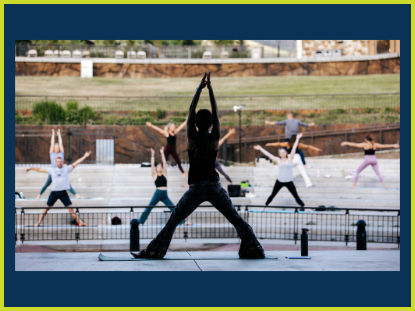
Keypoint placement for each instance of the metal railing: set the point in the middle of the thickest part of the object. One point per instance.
(135, 110)
(278, 222)
(171, 51)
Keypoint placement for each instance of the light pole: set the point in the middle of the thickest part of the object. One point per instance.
(239, 109)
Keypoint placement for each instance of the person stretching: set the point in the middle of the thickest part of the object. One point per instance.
(370, 159)
(170, 132)
(56, 150)
(218, 167)
(285, 172)
(159, 174)
(204, 183)
(297, 159)
(60, 183)
(291, 128)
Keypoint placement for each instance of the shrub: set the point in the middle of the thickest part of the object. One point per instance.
(369, 110)
(235, 54)
(198, 54)
(49, 112)
(72, 111)
(161, 114)
(86, 113)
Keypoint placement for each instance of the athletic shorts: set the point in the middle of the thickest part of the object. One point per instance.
(61, 195)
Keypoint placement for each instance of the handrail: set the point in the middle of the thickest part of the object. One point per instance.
(218, 96)
(236, 205)
(319, 133)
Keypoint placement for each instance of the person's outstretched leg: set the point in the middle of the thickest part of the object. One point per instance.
(375, 167)
(187, 204)
(166, 200)
(300, 152)
(291, 187)
(361, 167)
(45, 186)
(250, 247)
(153, 202)
(177, 160)
(277, 187)
(218, 167)
(300, 167)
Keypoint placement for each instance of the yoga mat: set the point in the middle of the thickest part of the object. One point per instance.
(185, 256)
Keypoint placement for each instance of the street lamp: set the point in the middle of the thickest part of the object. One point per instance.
(239, 110)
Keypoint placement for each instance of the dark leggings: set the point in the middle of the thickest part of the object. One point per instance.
(49, 181)
(218, 197)
(290, 186)
(220, 170)
(300, 152)
(171, 150)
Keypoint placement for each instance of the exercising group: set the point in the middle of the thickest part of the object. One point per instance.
(203, 179)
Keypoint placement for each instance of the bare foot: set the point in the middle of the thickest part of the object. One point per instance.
(352, 187)
(78, 196)
(38, 197)
(188, 224)
(384, 186)
(184, 175)
(37, 225)
(263, 209)
(312, 186)
(82, 224)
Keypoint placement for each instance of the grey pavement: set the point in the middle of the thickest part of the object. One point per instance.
(320, 261)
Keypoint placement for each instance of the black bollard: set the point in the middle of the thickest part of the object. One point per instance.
(304, 242)
(134, 236)
(361, 236)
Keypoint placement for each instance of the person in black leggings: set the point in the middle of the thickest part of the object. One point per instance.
(218, 167)
(204, 183)
(170, 132)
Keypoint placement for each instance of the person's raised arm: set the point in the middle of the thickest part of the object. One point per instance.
(269, 155)
(180, 127)
(79, 161)
(191, 118)
(153, 168)
(381, 146)
(163, 159)
(293, 150)
(283, 144)
(305, 124)
(37, 169)
(215, 114)
(52, 141)
(309, 147)
(60, 141)
(283, 122)
(162, 132)
(347, 143)
(231, 131)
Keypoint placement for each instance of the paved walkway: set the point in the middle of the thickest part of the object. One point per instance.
(320, 261)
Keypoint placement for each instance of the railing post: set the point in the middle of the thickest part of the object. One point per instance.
(361, 244)
(295, 225)
(22, 237)
(77, 233)
(346, 236)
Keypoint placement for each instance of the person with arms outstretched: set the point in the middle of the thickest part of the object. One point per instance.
(159, 174)
(204, 182)
(370, 146)
(285, 172)
(297, 159)
(170, 131)
(60, 183)
(291, 128)
(56, 150)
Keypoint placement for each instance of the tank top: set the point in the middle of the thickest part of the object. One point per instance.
(370, 152)
(161, 181)
(296, 150)
(285, 171)
(171, 140)
(202, 171)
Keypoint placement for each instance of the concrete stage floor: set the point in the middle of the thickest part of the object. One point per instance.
(320, 261)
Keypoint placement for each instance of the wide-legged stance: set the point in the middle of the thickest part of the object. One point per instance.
(198, 193)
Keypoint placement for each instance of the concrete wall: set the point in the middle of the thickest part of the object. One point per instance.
(132, 143)
(162, 68)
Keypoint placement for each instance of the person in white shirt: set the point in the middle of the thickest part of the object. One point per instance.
(60, 183)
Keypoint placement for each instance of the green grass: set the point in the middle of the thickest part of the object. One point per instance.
(71, 86)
